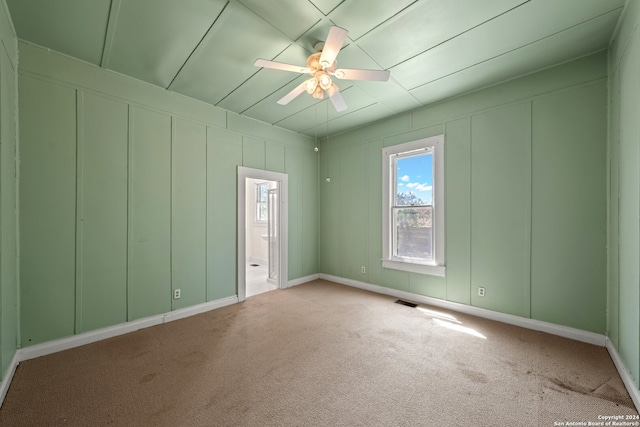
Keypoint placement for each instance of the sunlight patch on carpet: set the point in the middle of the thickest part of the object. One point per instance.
(439, 315)
(459, 328)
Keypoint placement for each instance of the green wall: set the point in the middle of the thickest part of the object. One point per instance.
(128, 191)
(623, 309)
(8, 190)
(525, 197)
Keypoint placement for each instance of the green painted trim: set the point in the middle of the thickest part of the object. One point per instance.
(528, 209)
(613, 179)
(8, 36)
(252, 127)
(39, 62)
(414, 135)
(79, 206)
(206, 215)
(5, 15)
(11, 53)
(172, 302)
(628, 24)
(587, 70)
(130, 153)
(112, 23)
(200, 46)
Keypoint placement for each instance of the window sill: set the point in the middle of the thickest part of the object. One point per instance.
(431, 270)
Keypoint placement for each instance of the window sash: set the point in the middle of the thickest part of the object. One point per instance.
(394, 168)
(413, 234)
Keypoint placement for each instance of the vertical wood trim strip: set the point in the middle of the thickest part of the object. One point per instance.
(529, 211)
(206, 213)
(3, 208)
(206, 37)
(112, 23)
(130, 196)
(127, 207)
(469, 201)
(79, 206)
(171, 213)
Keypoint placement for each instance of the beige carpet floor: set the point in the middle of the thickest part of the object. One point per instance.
(320, 354)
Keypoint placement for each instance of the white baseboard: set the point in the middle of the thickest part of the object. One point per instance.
(55, 346)
(112, 331)
(537, 325)
(301, 280)
(624, 374)
(197, 309)
(8, 376)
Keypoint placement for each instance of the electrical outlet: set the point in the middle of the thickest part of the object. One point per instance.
(176, 294)
(481, 291)
(363, 270)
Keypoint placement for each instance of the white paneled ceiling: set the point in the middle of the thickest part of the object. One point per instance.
(206, 49)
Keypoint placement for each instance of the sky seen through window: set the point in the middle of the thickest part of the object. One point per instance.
(415, 176)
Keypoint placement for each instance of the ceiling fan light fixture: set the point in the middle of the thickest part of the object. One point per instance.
(324, 80)
(310, 85)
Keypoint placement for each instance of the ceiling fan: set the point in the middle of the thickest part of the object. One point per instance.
(322, 66)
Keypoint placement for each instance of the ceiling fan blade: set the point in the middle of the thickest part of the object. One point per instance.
(352, 74)
(280, 66)
(338, 102)
(332, 45)
(291, 95)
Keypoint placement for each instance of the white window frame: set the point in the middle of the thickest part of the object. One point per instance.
(389, 185)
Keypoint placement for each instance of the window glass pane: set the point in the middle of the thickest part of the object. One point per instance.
(263, 191)
(414, 179)
(413, 233)
(262, 212)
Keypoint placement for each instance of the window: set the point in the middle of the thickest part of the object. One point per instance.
(262, 194)
(413, 206)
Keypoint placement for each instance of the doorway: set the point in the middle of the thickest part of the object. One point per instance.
(261, 236)
(262, 231)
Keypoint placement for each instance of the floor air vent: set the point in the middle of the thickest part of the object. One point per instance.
(407, 303)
